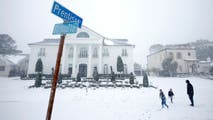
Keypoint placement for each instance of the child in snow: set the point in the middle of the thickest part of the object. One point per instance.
(163, 99)
(171, 94)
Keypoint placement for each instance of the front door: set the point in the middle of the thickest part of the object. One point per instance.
(83, 70)
(70, 71)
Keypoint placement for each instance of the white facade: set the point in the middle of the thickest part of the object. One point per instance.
(82, 52)
(185, 57)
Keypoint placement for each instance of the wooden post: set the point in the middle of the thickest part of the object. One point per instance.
(55, 78)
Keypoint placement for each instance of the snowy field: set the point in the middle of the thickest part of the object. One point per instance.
(18, 102)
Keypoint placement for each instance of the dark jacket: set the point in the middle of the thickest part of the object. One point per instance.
(190, 90)
(131, 79)
(170, 94)
(162, 96)
(112, 77)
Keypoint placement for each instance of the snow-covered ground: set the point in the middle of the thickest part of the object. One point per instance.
(18, 102)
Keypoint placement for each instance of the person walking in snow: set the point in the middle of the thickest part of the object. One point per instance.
(163, 99)
(190, 92)
(171, 94)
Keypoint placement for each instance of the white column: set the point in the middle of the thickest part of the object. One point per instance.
(100, 58)
(74, 66)
(89, 61)
(63, 61)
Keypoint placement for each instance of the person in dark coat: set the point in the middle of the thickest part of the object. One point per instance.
(171, 94)
(163, 99)
(95, 75)
(131, 78)
(190, 92)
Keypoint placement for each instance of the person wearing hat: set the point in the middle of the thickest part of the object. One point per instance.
(190, 92)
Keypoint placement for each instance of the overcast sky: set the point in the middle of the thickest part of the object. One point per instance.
(142, 22)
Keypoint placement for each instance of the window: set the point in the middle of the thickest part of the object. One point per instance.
(189, 54)
(170, 54)
(83, 53)
(179, 56)
(105, 52)
(105, 69)
(2, 68)
(124, 52)
(41, 52)
(95, 53)
(82, 35)
(70, 54)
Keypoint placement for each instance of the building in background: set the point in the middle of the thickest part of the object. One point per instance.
(204, 66)
(13, 65)
(185, 57)
(83, 51)
(138, 69)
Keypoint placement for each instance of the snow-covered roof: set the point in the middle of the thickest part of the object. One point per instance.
(107, 41)
(53, 40)
(191, 59)
(15, 58)
(204, 62)
(5, 60)
(122, 42)
(12, 59)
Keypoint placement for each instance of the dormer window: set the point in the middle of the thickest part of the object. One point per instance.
(82, 35)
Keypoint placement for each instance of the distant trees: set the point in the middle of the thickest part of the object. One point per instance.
(204, 52)
(8, 45)
(155, 48)
(169, 66)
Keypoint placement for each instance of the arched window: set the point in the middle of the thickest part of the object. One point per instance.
(82, 35)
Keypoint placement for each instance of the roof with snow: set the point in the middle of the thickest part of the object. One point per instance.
(47, 41)
(12, 59)
(106, 41)
(122, 42)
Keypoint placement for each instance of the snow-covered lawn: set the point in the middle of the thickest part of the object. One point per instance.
(18, 102)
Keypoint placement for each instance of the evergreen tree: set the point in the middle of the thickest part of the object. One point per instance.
(120, 65)
(38, 69)
(39, 66)
(145, 80)
(8, 45)
(169, 66)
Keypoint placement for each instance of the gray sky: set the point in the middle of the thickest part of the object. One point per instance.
(142, 22)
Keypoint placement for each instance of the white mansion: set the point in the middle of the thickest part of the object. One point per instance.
(82, 52)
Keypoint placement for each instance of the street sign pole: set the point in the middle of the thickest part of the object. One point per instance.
(71, 22)
(55, 78)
